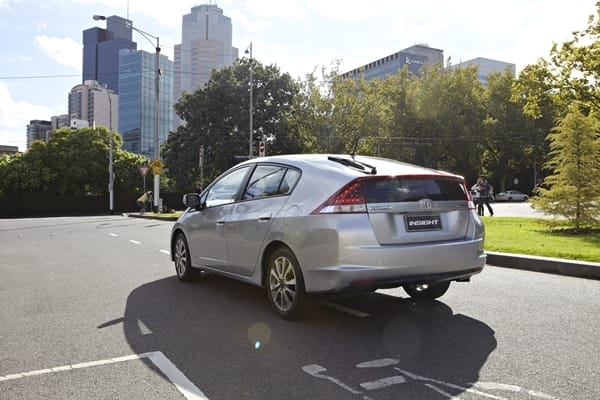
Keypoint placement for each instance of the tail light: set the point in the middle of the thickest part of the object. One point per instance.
(471, 203)
(347, 200)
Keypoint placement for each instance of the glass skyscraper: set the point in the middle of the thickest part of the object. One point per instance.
(101, 51)
(137, 94)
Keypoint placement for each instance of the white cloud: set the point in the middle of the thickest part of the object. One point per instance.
(65, 51)
(14, 117)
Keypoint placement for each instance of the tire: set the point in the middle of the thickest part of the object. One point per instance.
(284, 284)
(430, 292)
(182, 258)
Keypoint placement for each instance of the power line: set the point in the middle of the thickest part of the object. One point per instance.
(38, 77)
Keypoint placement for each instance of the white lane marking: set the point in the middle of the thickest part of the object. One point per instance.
(496, 386)
(135, 241)
(166, 366)
(181, 382)
(440, 391)
(512, 388)
(383, 382)
(113, 234)
(344, 309)
(382, 362)
(166, 252)
(315, 370)
(144, 330)
(450, 385)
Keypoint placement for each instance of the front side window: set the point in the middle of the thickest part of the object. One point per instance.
(225, 190)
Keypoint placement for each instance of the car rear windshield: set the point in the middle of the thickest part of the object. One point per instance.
(399, 189)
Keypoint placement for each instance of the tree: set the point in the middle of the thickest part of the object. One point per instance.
(575, 66)
(505, 128)
(217, 117)
(311, 114)
(573, 188)
(535, 93)
(72, 162)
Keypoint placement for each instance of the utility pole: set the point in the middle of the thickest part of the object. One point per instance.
(249, 51)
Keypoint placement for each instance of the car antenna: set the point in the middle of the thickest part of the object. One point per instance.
(356, 141)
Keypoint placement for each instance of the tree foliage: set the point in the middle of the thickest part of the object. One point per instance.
(572, 190)
(217, 117)
(71, 162)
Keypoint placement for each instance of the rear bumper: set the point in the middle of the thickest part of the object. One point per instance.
(392, 267)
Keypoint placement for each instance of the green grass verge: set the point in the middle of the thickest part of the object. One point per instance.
(533, 236)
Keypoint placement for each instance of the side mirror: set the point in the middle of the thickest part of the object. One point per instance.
(192, 200)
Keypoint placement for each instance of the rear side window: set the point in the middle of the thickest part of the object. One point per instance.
(270, 180)
(400, 189)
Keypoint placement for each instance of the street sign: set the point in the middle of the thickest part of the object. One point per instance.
(156, 166)
(143, 169)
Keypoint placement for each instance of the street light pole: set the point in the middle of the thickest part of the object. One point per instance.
(111, 175)
(249, 51)
(156, 116)
(156, 155)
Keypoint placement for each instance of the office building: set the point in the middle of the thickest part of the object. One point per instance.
(414, 58)
(206, 44)
(485, 66)
(60, 121)
(95, 104)
(8, 150)
(101, 51)
(137, 100)
(38, 130)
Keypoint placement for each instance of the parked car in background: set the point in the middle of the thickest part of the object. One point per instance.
(511, 195)
(320, 223)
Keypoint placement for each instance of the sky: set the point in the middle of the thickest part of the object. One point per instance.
(41, 40)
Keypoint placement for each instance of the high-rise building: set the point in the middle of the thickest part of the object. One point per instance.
(206, 44)
(414, 58)
(95, 104)
(8, 150)
(485, 66)
(60, 121)
(38, 130)
(101, 51)
(137, 100)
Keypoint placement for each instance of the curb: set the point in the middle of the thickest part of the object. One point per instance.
(559, 266)
(135, 215)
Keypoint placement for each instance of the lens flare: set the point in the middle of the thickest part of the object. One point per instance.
(259, 335)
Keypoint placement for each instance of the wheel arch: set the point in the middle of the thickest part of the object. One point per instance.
(172, 246)
(271, 247)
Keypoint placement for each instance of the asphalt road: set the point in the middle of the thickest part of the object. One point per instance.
(90, 309)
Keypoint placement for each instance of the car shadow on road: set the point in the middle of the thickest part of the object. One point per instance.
(224, 337)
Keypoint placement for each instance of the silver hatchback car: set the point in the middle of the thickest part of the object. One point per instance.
(319, 223)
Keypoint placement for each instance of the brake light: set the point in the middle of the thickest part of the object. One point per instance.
(347, 200)
(470, 203)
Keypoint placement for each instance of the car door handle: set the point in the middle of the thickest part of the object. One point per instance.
(264, 219)
(220, 223)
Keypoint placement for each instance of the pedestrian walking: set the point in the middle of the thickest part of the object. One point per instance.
(485, 190)
(144, 200)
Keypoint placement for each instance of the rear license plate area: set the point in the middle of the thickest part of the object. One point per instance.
(420, 223)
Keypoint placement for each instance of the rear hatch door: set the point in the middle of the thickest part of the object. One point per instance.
(417, 209)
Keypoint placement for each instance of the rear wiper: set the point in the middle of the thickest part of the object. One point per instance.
(361, 166)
